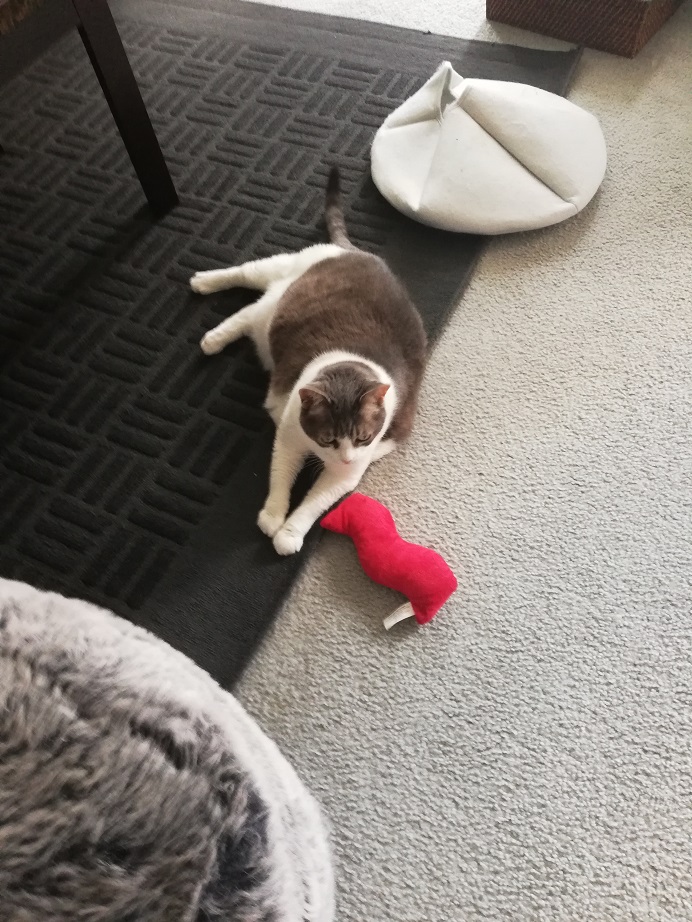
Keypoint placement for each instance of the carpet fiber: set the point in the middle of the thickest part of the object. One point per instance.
(527, 756)
(133, 467)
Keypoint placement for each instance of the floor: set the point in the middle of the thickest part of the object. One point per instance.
(528, 756)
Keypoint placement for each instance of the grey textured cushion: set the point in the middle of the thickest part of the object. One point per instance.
(133, 788)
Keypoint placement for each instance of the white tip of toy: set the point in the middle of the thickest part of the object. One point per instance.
(402, 612)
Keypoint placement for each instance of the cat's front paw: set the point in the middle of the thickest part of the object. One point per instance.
(270, 522)
(385, 447)
(288, 541)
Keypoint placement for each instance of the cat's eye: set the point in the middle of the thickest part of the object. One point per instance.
(359, 442)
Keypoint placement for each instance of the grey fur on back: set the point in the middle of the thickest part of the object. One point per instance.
(133, 788)
(353, 303)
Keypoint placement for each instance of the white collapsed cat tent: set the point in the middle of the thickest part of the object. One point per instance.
(486, 156)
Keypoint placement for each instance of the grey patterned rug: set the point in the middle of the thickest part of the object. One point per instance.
(132, 466)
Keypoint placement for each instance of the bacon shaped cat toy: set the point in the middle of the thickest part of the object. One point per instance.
(417, 572)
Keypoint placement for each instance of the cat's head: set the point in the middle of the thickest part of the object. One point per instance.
(342, 411)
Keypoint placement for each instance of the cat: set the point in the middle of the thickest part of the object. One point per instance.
(346, 350)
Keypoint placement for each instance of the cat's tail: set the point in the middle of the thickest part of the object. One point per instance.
(334, 214)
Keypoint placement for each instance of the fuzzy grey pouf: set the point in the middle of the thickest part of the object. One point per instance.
(133, 788)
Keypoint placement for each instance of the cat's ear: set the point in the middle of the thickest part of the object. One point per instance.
(312, 397)
(375, 395)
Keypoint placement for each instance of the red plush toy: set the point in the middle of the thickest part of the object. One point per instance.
(417, 572)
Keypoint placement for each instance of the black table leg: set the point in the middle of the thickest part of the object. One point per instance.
(104, 46)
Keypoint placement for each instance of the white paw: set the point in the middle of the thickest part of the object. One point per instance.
(211, 343)
(288, 541)
(270, 522)
(383, 449)
(202, 283)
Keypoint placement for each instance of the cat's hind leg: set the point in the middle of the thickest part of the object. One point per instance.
(253, 320)
(259, 274)
(240, 324)
(230, 329)
(262, 273)
(206, 283)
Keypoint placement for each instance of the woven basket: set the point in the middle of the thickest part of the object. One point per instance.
(618, 26)
(13, 11)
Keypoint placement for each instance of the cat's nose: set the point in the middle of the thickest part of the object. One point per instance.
(346, 460)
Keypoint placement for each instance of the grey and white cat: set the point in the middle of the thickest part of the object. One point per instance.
(346, 350)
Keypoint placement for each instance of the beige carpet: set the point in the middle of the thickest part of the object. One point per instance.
(528, 756)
